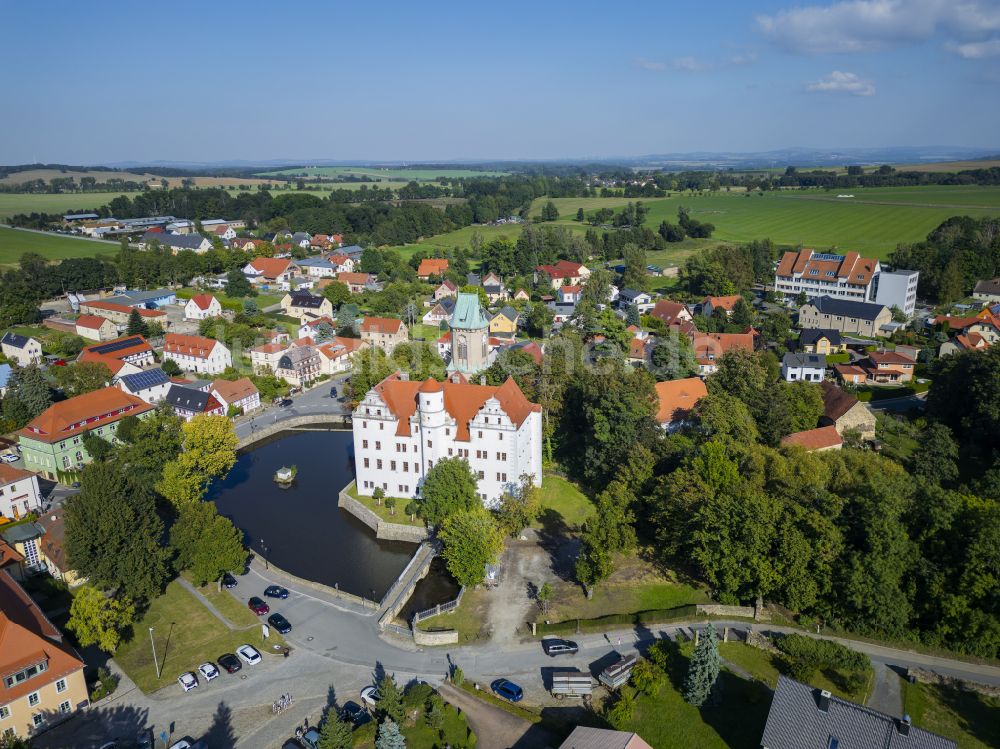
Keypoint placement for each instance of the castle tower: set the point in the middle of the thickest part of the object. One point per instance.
(470, 335)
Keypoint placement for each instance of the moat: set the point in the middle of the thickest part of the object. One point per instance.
(300, 528)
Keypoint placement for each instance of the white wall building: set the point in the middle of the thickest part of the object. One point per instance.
(403, 428)
(150, 385)
(796, 367)
(194, 353)
(897, 288)
(21, 349)
(19, 493)
(202, 306)
(816, 274)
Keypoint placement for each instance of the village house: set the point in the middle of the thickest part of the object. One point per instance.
(504, 323)
(675, 401)
(176, 242)
(432, 267)
(356, 282)
(268, 271)
(814, 440)
(670, 312)
(247, 244)
(602, 738)
(850, 374)
(403, 428)
(531, 348)
(710, 347)
(564, 272)
(444, 289)
(188, 402)
(240, 395)
(197, 354)
(888, 367)
(224, 232)
(150, 385)
(95, 328)
(320, 242)
(314, 328)
(43, 682)
(299, 366)
(51, 551)
(19, 493)
(845, 412)
(440, 312)
(569, 294)
(337, 355)
(317, 267)
(201, 307)
(52, 442)
(803, 367)
(961, 343)
(383, 332)
(641, 299)
(987, 291)
(494, 288)
(710, 304)
(305, 306)
(119, 314)
(521, 296)
(845, 316)
(819, 341)
(984, 323)
(265, 357)
(847, 277)
(22, 349)
(130, 349)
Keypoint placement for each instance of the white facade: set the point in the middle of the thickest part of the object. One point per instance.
(19, 493)
(396, 456)
(803, 367)
(30, 352)
(897, 288)
(194, 310)
(211, 361)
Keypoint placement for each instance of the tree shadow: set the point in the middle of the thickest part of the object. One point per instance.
(378, 673)
(556, 539)
(972, 713)
(94, 727)
(220, 733)
(739, 711)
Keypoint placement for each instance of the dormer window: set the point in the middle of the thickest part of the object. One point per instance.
(25, 674)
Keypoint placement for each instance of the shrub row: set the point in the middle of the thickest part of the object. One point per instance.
(822, 653)
(616, 621)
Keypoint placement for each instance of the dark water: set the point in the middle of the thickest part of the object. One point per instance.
(305, 532)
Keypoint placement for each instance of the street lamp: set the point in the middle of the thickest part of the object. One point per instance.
(264, 550)
(153, 646)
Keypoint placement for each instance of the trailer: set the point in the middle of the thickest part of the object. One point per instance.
(572, 684)
(618, 673)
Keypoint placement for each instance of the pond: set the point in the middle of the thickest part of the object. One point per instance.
(305, 532)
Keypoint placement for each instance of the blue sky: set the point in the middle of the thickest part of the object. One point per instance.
(208, 81)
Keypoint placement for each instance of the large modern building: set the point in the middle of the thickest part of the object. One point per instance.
(52, 443)
(42, 675)
(403, 428)
(814, 273)
(897, 288)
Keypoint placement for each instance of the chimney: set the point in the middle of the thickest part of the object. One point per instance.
(482, 380)
(823, 701)
(903, 725)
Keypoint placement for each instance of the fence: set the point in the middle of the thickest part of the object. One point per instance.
(441, 608)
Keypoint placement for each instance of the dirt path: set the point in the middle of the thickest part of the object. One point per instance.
(886, 694)
(496, 728)
(525, 565)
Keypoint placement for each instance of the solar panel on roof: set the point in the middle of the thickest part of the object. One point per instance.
(827, 256)
(110, 348)
(148, 379)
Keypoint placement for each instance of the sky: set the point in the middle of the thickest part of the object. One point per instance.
(213, 81)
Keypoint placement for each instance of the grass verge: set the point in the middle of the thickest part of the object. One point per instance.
(971, 719)
(469, 619)
(565, 501)
(400, 517)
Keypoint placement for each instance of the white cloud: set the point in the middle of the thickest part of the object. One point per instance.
(691, 65)
(861, 25)
(652, 65)
(978, 50)
(840, 82)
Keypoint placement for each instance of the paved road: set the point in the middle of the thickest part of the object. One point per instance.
(316, 400)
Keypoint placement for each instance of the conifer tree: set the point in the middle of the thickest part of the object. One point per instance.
(703, 671)
(389, 736)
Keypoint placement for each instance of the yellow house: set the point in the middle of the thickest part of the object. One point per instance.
(819, 341)
(305, 306)
(504, 323)
(42, 675)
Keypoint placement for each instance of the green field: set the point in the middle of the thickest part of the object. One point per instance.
(14, 203)
(15, 242)
(420, 175)
(323, 190)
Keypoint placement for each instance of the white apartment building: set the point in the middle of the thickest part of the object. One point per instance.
(194, 353)
(816, 274)
(897, 288)
(402, 428)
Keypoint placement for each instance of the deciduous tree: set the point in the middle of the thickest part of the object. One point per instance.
(472, 540)
(449, 487)
(97, 619)
(207, 543)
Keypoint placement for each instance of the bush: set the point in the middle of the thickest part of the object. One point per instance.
(457, 676)
(822, 653)
(621, 713)
(107, 683)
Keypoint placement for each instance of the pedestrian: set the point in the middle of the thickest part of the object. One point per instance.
(619, 641)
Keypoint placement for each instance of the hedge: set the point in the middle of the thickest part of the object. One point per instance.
(614, 621)
(822, 652)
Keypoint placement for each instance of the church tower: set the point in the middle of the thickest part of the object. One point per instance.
(470, 335)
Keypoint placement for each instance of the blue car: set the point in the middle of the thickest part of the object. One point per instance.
(508, 690)
(276, 591)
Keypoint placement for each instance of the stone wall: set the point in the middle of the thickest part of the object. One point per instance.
(336, 592)
(747, 612)
(413, 534)
(282, 425)
(440, 637)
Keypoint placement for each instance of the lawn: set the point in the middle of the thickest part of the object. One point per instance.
(230, 606)
(15, 242)
(186, 635)
(429, 333)
(233, 303)
(563, 498)
(969, 718)
(382, 511)
(665, 720)
(62, 203)
(455, 730)
(766, 667)
(469, 619)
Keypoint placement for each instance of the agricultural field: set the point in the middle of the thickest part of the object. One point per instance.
(14, 203)
(949, 166)
(377, 173)
(15, 242)
(18, 178)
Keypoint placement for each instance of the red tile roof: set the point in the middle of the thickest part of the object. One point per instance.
(677, 398)
(462, 401)
(668, 311)
(850, 268)
(432, 267)
(9, 474)
(98, 349)
(836, 401)
(270, 267)
(814, 439)
(203, 301)
(380, 325)
(189, 345)
(234, 390)
(890, 357)
(83, 413)
(711, 346)
(356, 279)
(122, 308)
(91, 322)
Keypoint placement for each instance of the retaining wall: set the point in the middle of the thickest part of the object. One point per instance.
(720, 610)
(442, 637)
(336, 592)
(282, 425)
(413, 534)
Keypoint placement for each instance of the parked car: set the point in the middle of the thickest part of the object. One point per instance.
(310, 739)
(276, 591)
(555, 646)
(230, 662)
(9, 458)
(280, 623)
(356, 714)
(333, 392)
(370, 697)
(248, 654)
(188, 681)
(144, 739)
(258, 606)
(508, 690)
(228, 581)
(208, 670)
